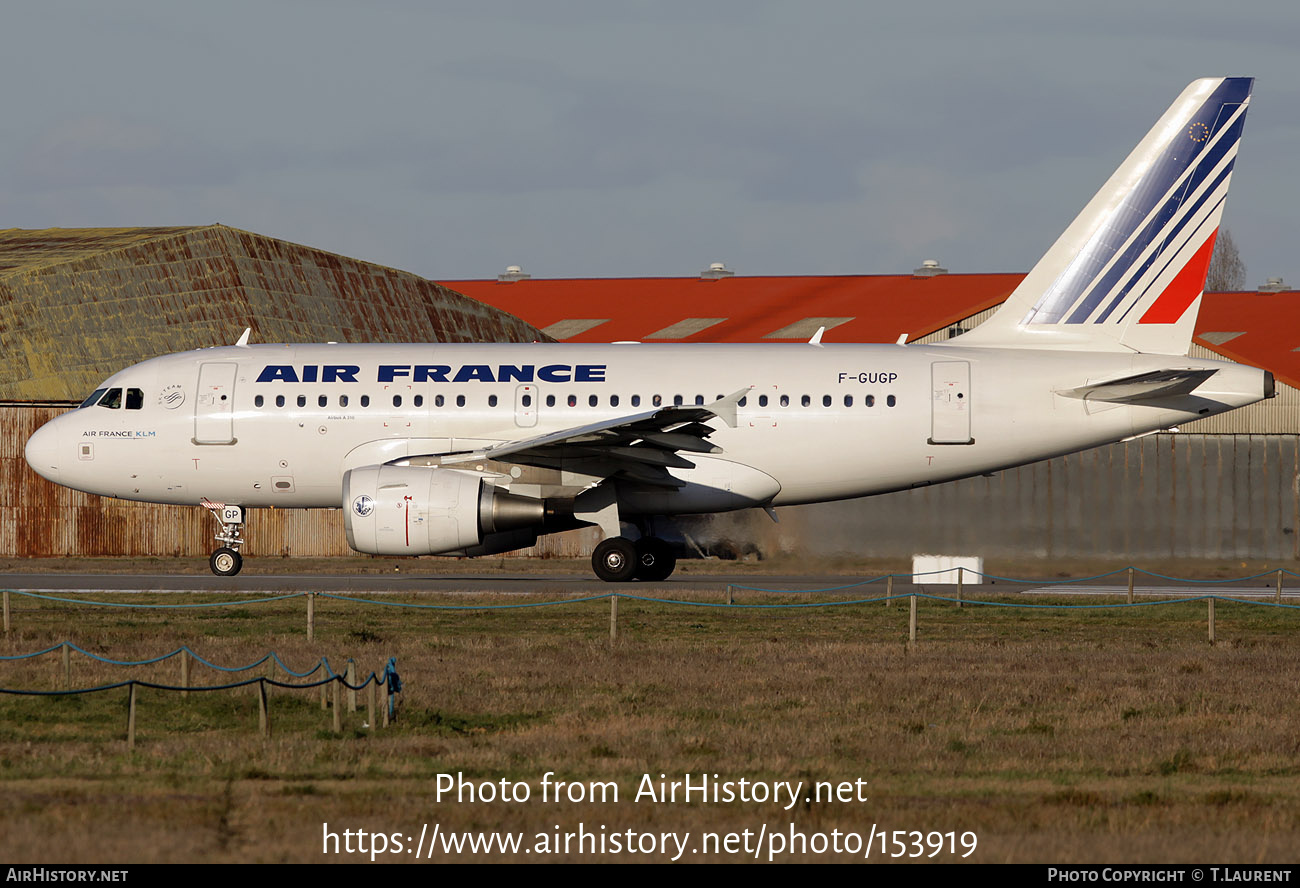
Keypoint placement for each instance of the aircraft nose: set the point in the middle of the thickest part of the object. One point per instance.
(43, 454)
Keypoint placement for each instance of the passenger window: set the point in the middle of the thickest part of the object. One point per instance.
(848, 400)
(526, 400)
(419, 400)
(343, 400)
(869, 400)
(891, 401)
(613, 400)
(302, 400)
(805, 400)
(677, 400)
(699, 400)
(636, 400)
(279, 400)
(397, 400)
(492, 400)
(322, 401)
(826, 400)
(460, 400)
(592, 401)
(762, 400)
(365, 400)
(785, 400)
(657, 400)
(94, 397)
(573, 400)
(742, 402)
(112, 400)
(134, 399)
(438, 401)
(258, 401)
(550, 400)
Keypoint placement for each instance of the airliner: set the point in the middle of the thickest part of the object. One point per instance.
(475, 449)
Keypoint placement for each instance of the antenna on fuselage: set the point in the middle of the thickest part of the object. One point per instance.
(243, 339)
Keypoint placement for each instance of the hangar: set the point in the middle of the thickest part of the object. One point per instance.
(77, 305)
(1227, 487)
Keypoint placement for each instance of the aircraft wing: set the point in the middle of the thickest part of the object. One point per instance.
(641, 446)
(1142, 387)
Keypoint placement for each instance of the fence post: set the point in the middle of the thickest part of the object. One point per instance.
(383, 702)
(1211, 603)
(67, 668)
(7, 626)
(613, 619)
(130, 718)
(311, 616)
(263, 717)
(323, 704)
(961, 576)
(1277, 598)
(1130, 585)
(338, 722)
(911, 625)
(351, 673)
(370, 701)
(185, 672)
(889, 590)
(730, 598)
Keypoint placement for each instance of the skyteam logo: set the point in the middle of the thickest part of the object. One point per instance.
(362, 506)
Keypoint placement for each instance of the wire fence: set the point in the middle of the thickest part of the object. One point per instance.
(387, 683)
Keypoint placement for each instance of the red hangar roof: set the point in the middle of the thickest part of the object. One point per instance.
(1257, 328)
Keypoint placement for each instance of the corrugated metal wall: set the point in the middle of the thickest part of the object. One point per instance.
(1163, 496)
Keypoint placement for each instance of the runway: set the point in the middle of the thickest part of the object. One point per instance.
(585, 584)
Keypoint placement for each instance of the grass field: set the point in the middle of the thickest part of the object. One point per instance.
(1054, 736)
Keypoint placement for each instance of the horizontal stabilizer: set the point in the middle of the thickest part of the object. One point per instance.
(1142, 387)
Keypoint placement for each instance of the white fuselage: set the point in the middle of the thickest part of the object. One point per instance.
(839, 420)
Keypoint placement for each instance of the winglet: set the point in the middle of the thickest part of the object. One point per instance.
(725, 408)
(243, 340)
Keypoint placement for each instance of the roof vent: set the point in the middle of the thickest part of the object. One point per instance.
(1273, 285)
(716, 271)
(513, 273)
(929, 268)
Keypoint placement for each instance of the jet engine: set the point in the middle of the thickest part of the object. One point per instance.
(417, 510)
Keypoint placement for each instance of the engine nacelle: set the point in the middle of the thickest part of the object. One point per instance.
(416, 510)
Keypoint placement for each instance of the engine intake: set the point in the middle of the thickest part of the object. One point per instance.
(415, 510)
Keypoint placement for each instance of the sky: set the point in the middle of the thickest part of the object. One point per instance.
(599, 138)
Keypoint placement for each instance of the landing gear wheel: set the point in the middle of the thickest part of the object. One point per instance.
(226, 562)
(614, 560)
(655, 560)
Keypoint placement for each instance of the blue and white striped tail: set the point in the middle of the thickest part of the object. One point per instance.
(1128, 273)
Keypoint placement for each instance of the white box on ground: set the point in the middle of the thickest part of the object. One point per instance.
(942, 569)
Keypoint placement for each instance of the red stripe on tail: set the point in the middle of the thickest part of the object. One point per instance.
(1183, 289)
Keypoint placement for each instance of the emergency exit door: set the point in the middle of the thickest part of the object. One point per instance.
(950, 403)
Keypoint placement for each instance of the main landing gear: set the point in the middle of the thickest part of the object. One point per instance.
(226, 561)
(618, 560)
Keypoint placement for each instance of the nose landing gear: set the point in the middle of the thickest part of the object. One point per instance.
(226, 561)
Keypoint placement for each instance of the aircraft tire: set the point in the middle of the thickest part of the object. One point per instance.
(655, 559)
(615, 560)
(226, 562)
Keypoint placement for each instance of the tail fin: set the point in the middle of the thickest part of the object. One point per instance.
(1128, 273)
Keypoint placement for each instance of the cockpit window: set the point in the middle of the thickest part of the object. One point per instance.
(112, 400)
(134, 399)
(94, 398)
